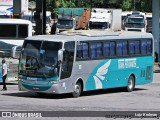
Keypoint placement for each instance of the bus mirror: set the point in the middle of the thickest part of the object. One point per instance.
(15, 53)
(60, 55)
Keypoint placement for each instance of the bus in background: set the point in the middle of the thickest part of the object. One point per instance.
(73, 62)
(13, 32)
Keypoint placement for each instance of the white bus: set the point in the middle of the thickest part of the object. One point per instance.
(84, 61)
(12, 33)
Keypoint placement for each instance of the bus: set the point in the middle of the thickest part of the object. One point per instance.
(12, 33)
(73, 62)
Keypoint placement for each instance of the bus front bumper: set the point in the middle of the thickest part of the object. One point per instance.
(43, 88)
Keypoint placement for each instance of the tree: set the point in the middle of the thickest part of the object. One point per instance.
(125, 5)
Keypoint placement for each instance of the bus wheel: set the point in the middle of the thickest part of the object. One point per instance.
(131, 84)
(77, 90)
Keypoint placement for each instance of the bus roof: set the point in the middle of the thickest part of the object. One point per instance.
(88, 35)
(14, 21)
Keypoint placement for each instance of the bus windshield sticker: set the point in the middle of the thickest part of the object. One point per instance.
(42, 51)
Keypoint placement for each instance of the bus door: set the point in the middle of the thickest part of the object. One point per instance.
(68, 58)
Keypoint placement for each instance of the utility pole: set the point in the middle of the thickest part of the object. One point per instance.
(40, 17)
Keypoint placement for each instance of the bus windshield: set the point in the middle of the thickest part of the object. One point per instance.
(39, 59)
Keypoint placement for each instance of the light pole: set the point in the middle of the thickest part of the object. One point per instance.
(32, 6)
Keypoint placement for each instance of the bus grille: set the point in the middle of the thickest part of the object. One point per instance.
(139, 30)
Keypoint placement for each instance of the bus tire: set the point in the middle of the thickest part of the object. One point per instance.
(130, 84)
(77, 90)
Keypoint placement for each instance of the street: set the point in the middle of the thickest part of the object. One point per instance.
(144, 98)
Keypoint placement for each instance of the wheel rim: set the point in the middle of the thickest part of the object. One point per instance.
(77, 89)
(130, 83)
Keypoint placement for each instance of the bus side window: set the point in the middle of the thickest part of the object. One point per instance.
(131, 48)
(93, 50)
(112, 49)
(125, 48)
(149, 47)
(96, 50)
(79, 52)
(137, 47)
(85, 50)
(99, 50)
(23, 31)
(106, 49)
(144, 47)
(68, 55)
(119, 48)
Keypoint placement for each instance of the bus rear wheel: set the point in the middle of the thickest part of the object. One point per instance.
(77, 90)
(131, 84)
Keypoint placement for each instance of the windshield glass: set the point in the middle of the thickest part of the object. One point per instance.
(135, 20)
(98, 25)
(135, 23)
(40, 59)
(65, 24)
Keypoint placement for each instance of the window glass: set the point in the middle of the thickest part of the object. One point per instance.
(131, 48)
(144, 47)
(99, 49)
(82, 51)
(79, 51)
(8, 30)
(93, 50)
(85, 50)
(96, 50)
(137, 47)
(125, 49)
(106, 49)
(119, 48)
(112, 48)
(149, 47)
(23, 31)
(68, 56)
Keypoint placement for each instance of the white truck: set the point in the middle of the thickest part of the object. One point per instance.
(106, 19)
(136, 21)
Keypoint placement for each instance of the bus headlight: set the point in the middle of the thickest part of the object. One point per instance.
(53, 82)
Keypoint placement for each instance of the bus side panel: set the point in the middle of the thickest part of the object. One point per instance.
(115, 73)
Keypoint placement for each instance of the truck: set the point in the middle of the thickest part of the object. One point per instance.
(72, 19)
(136, 21)
(106, 19)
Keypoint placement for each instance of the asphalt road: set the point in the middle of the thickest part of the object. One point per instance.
(144, 98)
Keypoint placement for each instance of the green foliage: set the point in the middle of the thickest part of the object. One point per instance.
(125, 5)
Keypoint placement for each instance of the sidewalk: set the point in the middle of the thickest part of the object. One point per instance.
(156, 68)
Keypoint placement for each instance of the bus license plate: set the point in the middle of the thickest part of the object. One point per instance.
(35, 88)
